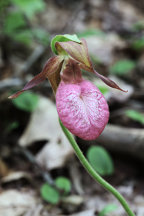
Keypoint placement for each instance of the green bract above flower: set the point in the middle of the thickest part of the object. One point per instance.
(65, 47)
(63, 38)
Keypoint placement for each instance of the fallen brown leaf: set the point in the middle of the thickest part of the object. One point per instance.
(44, 125)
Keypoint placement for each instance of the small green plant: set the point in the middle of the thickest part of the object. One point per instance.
(107, 209)
(100, 160)
(27, 101)
(50, 194)
(135, 115)
(63, 184)
(122, 67)
(54, 194)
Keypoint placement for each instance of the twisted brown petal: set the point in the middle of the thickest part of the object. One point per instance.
(49, 70)
(108, 81)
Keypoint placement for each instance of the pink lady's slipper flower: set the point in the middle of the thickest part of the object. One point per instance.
(81, 106)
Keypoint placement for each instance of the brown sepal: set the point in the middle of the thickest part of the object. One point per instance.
(48, 71)
(108, 81)
(77, 51)
(80, 53)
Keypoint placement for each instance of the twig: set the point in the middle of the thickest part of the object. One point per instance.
(46, 176)
(10, 83)
(16, 82)
(122, 139)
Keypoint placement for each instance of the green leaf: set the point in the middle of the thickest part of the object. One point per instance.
(122, 67)
(3, 5)
(63, 184)
(100, 160)
(104, 89)
(27, 101)
(91, 32)
(13, 22)
(24, 36)
(63, 38)
(139, 25)
(42, 36)
(138, 44)
(49, 194)
(135, 115)
(107, 209)
(29, 7)
(15, 27)
(13, 125)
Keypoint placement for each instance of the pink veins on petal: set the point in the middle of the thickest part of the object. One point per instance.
(82, 109)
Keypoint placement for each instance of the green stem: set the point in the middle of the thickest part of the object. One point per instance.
(93, 173)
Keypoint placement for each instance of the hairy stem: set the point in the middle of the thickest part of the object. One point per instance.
(94, 174)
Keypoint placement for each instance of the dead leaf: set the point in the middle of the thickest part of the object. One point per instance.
(139, 203)
(73, 200)
(90, 212)
(102, 47)
(44, 125)
(16, 203)
(14, 176)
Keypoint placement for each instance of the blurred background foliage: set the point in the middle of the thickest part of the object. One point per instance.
(18, 21)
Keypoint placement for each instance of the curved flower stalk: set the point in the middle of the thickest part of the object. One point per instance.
(81, 107)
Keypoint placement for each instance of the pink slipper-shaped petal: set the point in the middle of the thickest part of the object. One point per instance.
(82, 109)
